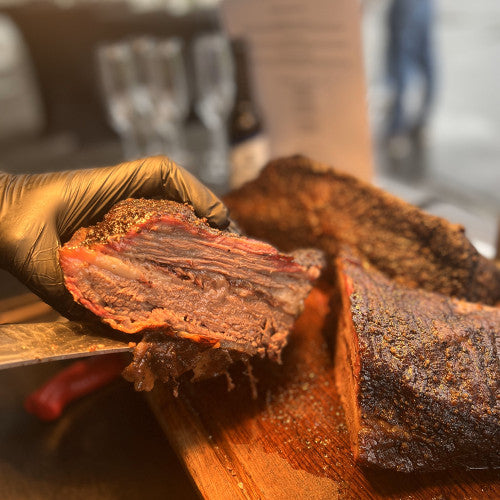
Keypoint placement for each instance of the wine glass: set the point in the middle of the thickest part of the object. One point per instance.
(215, 88)
(122, 93)
(143, 50)
(169, 88)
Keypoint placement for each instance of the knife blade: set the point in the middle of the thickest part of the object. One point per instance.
(29, 343)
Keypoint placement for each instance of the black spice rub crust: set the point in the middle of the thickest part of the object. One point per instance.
(131, 213)
(298, 202)
(418, 373)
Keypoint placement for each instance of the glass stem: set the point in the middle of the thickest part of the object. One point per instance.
(219, 136)
(171, 138)
(216, 171)
(130, 145)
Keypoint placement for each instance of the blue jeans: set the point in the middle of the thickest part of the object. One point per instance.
(410, 53)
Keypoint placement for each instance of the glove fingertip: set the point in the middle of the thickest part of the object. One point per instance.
(233, 227)
(181, 185)
(219, 217)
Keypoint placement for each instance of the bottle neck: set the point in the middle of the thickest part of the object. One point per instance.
(245, 121)
(242, 76)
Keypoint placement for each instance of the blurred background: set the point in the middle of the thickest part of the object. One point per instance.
(90, 83)
(453, 168)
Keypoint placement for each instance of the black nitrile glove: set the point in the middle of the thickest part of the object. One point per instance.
(40, 211)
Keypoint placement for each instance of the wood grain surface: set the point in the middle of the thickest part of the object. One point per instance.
(291, 441)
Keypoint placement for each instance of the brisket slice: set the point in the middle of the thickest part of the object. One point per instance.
(152, 265)
(418, 374)
(297, 202)
(166, 358)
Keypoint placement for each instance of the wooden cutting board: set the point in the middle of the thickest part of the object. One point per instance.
(291, 441)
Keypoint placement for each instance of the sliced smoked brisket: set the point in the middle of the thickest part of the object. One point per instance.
(297, 202)
(166, 358)
(152, 265)
(418, 374)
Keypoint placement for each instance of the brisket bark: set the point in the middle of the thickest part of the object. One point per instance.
(297, 202)
(152, 265)
(418, 374)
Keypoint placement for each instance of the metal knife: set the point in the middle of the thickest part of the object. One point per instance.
(29, 343)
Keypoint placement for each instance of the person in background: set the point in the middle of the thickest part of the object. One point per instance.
(410, 54)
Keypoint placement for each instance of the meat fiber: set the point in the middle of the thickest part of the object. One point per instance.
(297, 202)
(152, 265)
(418, 374)
(166, 358)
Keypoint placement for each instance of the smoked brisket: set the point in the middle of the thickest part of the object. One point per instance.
(166, 358)
(297, 202)
(418, 374)
(153, 266)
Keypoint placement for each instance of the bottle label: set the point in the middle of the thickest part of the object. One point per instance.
(247, 159)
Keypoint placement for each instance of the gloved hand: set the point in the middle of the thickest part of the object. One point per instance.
(40, 211)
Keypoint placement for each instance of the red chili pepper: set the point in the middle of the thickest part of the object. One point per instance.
(74, 382)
